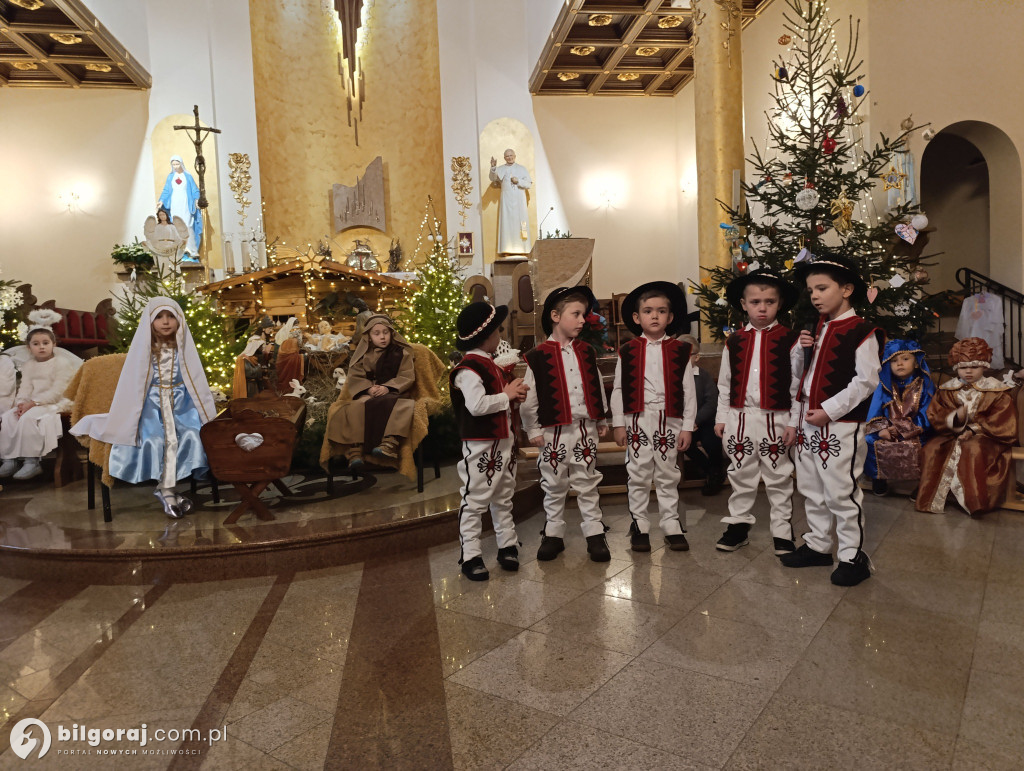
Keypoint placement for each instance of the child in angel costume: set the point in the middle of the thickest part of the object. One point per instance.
(381, 371)
(31, 427)
(898, 413)
(161, 401)
(975, 422)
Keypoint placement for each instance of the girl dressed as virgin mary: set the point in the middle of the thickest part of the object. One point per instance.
(180, 197)
(161, 401)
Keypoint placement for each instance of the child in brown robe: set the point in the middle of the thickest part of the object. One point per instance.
(380, 372)
(975, 422)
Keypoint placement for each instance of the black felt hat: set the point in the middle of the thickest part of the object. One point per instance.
(788, 294)
(557, 294)
(676, 300)
(842, 269)
(476, 322)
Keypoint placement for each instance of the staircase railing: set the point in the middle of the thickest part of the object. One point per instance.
(1013, 310)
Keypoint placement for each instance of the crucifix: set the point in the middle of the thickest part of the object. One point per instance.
(197, 140)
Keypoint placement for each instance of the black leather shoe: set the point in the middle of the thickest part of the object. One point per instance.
(638, 541)
(805, 557)
(677, 542)
(475, 570)
(879, 487)
(852, 573)
(550, 547)
(508, 558)
(783, 546)
(597, 548)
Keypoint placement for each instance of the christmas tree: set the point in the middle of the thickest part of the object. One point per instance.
(434, 305)
(813, 185)
(217, 348)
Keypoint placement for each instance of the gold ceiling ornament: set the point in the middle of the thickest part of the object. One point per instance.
(670, 22)
(564, 76)
(599, 19)
(29, 5)
(462, 183)
(23, 66)
(647, 50)
(240, 183)
(582, 50)
(625, 77)
(93, 67)
(350, 65)
(66, 38)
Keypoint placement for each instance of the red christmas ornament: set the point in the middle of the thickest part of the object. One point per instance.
(821, 229)
(741, 266)
(828, 145)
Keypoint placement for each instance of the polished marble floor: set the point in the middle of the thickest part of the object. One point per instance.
(663, 660)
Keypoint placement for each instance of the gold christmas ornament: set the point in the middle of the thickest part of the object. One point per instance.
(670, 22)
(564, 76)
(582, 50)
(625, 77)
(785, 40)
(240, 183)
(842, 208)
(599, 19)
(893, 179)
(94, 67)
(647, 50)
(66, 38)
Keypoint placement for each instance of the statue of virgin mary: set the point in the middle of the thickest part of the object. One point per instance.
(180, 197)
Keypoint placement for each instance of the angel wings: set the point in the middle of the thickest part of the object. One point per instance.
(165, 239)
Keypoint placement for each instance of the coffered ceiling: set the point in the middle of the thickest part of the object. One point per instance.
(60, 44)
(622, 48)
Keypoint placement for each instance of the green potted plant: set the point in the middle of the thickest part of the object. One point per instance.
(133, 256)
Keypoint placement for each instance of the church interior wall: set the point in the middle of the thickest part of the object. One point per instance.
(306, 145)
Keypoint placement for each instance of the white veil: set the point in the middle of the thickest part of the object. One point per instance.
(121, 424)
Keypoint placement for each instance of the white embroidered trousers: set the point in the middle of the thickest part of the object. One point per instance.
(488, 473)
(753, 445)
(569, 459)
(828, 462)
(651, 438)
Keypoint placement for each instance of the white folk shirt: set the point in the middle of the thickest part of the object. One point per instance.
(478, 401)
(573, 383)
(753, 385)
(654, 386)
(861, 387)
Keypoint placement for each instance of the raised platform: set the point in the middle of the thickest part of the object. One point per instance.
(49, 534)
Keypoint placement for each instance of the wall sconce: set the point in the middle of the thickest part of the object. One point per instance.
(69, 199)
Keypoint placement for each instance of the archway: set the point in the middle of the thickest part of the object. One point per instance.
(1000, 162)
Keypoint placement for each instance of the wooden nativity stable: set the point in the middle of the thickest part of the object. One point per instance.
(310, 290)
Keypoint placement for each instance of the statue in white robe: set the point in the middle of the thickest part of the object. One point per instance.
(513, 215)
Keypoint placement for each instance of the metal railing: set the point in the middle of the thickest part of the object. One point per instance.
(1013, 310)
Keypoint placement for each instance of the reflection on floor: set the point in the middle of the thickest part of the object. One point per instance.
(661, 660)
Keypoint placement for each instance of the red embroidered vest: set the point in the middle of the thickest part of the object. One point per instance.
(491, 426)
(775, 370)
(836, 366)
(675, 355)
(552, 390)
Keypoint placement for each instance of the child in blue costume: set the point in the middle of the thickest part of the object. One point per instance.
(899, 407)
(161, 401)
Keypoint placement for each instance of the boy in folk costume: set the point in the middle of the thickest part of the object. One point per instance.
(898, 413)
(975, 423)
(563, 415)
(757, 386)
(834, 394)
(654, 404)
(381, 371)
(484, 403)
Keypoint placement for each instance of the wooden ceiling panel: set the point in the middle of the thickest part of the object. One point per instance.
(637, 48)
(61, 44)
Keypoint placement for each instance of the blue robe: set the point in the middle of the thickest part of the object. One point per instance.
(879, 408)
(192, 196)
(145, 462)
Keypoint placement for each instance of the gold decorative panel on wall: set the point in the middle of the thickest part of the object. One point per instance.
(306, 145)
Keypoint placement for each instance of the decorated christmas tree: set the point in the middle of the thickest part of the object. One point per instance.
(214, 341)
(434, 305)
(813, 187)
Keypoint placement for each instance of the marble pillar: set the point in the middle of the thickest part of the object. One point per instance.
(718, 80)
